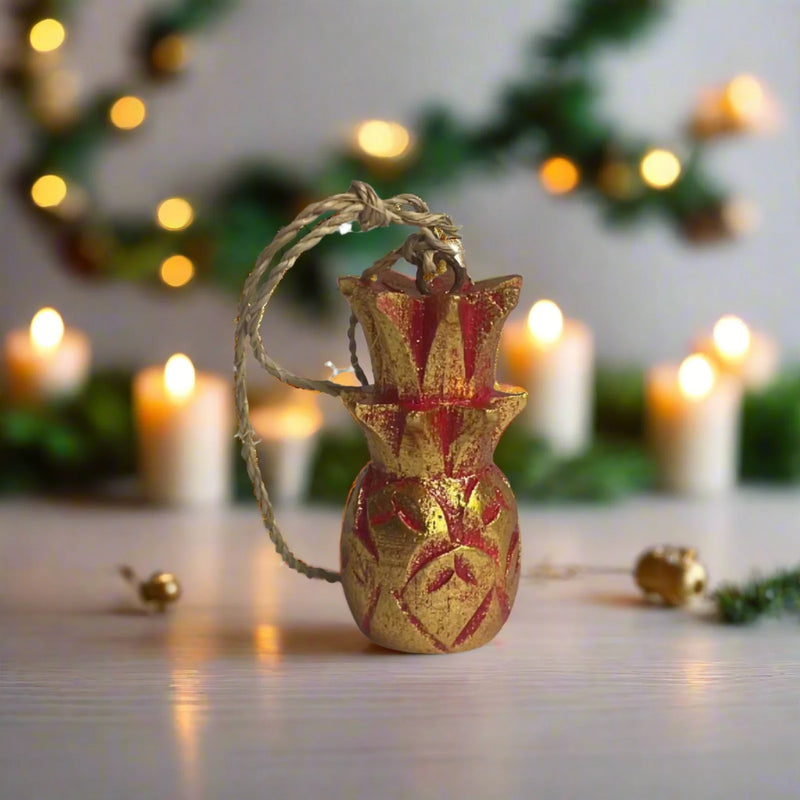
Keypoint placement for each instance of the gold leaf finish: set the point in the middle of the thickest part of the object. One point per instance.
(430, 538)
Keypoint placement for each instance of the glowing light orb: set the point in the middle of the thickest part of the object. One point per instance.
(175, 214)
(559, 175)
(545, 321)
(696, 377)
(47, 330)
(660, 169)
(381, 138)
(179, 377)
(176, 271)
(731, 338)
(128, 113)
(49, 191)
(47, 35)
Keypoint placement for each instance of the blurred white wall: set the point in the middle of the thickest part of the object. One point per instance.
(286, 78)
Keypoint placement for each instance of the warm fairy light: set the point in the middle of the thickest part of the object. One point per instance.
(175, 214)
(382, 139)
(176, 271)
(559, 175)
(48, 191)
(179, 377)
(746, 98)
(47, 35)
(731, 338)
(297, 421)
(545, 321)
(47, 330)
(660, 168)
(740, 216)
(128, 112)
(696, 377)
(618, 180)
(170, 53)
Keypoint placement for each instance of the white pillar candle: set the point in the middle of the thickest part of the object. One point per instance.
(47, 361)
(288, 435)
(734, 348)
(693, 419)
(184, 425)
(553, 358)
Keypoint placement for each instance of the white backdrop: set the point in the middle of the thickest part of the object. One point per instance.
(287, 78)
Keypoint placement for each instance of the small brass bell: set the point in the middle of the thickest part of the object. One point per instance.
(158, 591)
(670, 574)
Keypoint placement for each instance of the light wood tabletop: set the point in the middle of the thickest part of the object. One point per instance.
(259, 685)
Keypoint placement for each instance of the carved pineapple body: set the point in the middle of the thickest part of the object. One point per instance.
(430, 539)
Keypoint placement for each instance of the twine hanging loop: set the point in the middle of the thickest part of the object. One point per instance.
(435, 248)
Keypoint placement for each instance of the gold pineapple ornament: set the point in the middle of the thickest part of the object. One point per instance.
(430, 545)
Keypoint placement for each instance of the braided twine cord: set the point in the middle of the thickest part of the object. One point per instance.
(434, 247)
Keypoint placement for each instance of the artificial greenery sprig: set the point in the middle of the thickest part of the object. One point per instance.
(770, 595)
(90, 437)
(550, 111)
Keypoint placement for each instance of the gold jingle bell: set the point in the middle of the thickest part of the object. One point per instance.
(158, 591)
(670, 574)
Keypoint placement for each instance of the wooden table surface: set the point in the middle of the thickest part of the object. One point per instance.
(259, 685)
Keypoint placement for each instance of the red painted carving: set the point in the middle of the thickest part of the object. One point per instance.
(433, 521)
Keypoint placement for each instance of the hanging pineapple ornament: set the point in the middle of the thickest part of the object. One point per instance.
(430, 545)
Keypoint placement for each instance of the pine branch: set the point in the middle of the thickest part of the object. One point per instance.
(593, 24)
(740, 604)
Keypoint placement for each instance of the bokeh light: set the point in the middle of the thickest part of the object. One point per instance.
(128, 112)
(731, 337)
(176, 271)
(48, 191)
(545, 321)
(382, 139)
(179, 377)
(696, 377)
(47, 330)
(47, 35)
(559, 175)
(170, 53)
(175, 214)
(660, 168)
(746, 97)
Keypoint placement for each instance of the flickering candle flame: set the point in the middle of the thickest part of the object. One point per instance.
(731, 338)
(300, 422)
(286, 422)
(660, 168)
(47, 330)
(545, 321)
(47, 35)
(179, 377)
(559, 175)
(696, 377)
(382, 138)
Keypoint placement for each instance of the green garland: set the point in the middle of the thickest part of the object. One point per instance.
(551, 109)
(771, 596)
(69, 445)
(607, 472)
(90, 438)
(770, 432)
